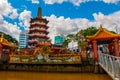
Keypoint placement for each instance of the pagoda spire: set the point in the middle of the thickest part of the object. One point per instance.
(39, 12)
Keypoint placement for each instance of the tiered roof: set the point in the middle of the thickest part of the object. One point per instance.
(4, 42)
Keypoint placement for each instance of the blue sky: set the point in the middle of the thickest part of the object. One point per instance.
(67, 9)
(65, 16)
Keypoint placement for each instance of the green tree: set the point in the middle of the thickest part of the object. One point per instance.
(83, 33)
(89, 31)
(80, 37)
(68, 39)
(9, 38)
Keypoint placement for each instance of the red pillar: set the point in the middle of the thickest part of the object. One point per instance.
(0, 50)
(116, 47)
(95, 50)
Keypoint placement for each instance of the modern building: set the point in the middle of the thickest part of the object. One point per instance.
(59, 40)
(73, 46)
(23, 39)
(38, 29)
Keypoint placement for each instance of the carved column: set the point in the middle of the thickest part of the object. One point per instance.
(116, 47)
(95, 50)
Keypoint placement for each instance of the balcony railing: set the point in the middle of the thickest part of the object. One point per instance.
(39, 23)
(37, 34)
(38, 29)
(33, 40)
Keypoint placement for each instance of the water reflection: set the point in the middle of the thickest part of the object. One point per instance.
(4, 75)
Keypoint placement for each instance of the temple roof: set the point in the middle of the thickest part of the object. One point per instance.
(103, 34)
(4, 42)
(44, 44)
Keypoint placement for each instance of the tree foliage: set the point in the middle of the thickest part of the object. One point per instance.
(9, 38)
(81, 35)
(89, 31)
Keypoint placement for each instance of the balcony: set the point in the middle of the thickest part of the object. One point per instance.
(33, 40)
(37, 23)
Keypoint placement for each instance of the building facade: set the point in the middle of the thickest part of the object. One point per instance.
(73, 46)
(38, 29)
(23, 39)
(59, 40)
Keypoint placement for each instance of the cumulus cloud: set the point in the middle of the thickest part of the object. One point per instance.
(64, 26)
(10, 29)
(25, 18)
(54, 1)
(14, 14)
(6, 10)
(78, 2)
(61, 25)
(111, 1)
(110, 22)
(35, 1)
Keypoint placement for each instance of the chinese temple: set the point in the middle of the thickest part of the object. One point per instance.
(6, 48)
(38, 29)
(104, 36)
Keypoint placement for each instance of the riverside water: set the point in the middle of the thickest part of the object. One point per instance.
(18, 75)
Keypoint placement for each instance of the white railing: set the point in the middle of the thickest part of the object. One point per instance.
(110, 64)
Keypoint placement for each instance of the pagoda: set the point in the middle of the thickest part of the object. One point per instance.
(38, 29)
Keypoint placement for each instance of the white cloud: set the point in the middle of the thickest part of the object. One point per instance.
(110, 22)
(25, 18)
(10, 29)
(35, 1)
(61, 25)
(14, 14)
(78, 2)
(111, 1)
(7, 10)
(10, 12)
(1, 18)
(54, 1)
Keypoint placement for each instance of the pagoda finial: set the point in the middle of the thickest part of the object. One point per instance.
(101, 29)
(39, 12)
(101, 25)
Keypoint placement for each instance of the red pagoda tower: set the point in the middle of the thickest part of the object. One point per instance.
(38, 29)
